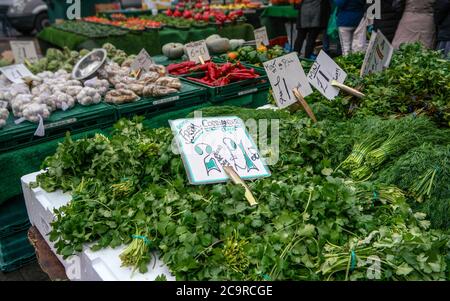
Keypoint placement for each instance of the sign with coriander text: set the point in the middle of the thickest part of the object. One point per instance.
(323, 72)
(195, 50)
(261, 37)
(207, 145)
(142, 61)
(378, 54)
(15, 73)
(23, 50)
(285, 74)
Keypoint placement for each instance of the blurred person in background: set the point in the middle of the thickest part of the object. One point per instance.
(331, 43)
(312, 19)
(349, 15)
(389, 20)
(416, 24)
(442, 20)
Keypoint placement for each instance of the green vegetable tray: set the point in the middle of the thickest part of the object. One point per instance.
(15, 251)
(189, 95)
(236, 89)
(77, 119)
(13, 217)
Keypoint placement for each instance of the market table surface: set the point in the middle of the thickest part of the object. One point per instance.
(152, 40)
(46, 258)
(274, 17)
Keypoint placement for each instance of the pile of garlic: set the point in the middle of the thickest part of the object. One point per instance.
(151, 83)
(4, 113)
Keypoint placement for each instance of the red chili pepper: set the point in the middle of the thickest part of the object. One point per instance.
(212, 71)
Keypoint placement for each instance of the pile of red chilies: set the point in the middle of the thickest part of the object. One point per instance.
(215, 74)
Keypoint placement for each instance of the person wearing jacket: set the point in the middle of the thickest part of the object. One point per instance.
(312, 18)
(349, 14)
(389, 20)
(416, 24)
(442, 20)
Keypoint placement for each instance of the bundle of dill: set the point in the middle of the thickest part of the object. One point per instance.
(379, 142)
(424, 172)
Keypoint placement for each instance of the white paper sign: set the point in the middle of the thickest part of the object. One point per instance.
(323, 72)
(378, 55)
(142, 61)
(208, 144)
(197, 49)
(23, 50)
(286, 73)
(15, 73)
(261, 37)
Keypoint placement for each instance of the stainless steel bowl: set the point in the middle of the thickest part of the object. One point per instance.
(88, 65)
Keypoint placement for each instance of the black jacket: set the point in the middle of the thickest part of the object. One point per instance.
(442, 19)
(313, 13)
(389, 20)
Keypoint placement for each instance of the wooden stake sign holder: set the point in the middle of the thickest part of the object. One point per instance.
(347, 89)
(238, 180)
(304, 104)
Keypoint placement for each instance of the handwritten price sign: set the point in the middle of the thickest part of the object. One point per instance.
(323, 72)
(261, 37)
(197, 51)
(285, 74)
(142, 61)
(378, 55)
(23, 50)
(15, 73)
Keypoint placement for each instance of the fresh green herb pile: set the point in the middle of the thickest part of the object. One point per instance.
(309, 224)
(417, 82)
(358, 195)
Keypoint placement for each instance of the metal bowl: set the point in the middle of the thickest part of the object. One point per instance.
(88, 65)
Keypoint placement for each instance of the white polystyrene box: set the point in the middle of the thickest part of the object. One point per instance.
(88, 265)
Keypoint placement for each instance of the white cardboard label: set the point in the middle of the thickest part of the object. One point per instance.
(285, 74)
(323, 72)
(261, 36)
(378, 54)
(208, 144)
(40, 131)
(197, 49)
(15, 73)
(23, 50)
(142, 61)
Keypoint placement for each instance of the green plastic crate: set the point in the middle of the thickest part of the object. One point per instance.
(15, 251)
(236, 89)
(75, 120)
(189, 95)
(250, 100)
(161, 119)
(13, 216)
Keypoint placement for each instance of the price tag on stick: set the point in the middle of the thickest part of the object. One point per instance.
(261, 37)
(197, 51)
(23, 50)
(208, 144)
(323, 72)
(16, 73)
(285, 74)
(378, 54)
(142, 61)
(305, 105)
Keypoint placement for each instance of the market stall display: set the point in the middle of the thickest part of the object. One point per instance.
(351, 186)
(152, 40)
(134, 23)
(90, 30)
(252, 55)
